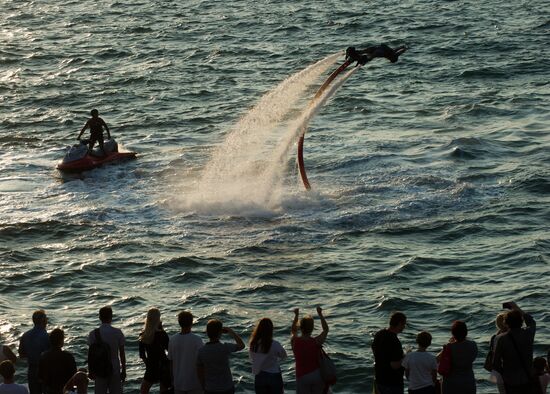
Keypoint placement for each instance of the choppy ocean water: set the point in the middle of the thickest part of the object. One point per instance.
(431, 177)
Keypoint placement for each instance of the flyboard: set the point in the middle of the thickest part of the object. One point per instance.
(352, 55)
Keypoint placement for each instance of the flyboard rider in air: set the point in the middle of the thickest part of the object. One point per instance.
(362, 56)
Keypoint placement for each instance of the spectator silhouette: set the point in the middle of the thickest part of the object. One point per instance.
(56, 365)
(31, 345)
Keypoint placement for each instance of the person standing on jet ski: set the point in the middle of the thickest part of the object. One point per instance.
(96, 124)
(362, 56)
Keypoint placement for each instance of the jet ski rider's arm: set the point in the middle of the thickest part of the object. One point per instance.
(82, 131)
(106, 128)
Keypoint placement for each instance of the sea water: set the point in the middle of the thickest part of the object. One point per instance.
(430, 177)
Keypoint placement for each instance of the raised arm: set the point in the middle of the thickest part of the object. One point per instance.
(294, 327)
(323, 335)
(238, 340)
(530, 325)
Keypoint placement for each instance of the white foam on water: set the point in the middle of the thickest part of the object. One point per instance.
(246, 174)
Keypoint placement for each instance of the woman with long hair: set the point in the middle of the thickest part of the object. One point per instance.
(307, 350)
(265, 354)
(495, 376)
(153, 344)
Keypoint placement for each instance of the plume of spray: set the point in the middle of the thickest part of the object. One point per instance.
(299, 127)
(240, 174)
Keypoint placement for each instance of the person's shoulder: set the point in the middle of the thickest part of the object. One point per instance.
(68, 355)
(13, 388)
(204, 349)
(174, 337)
(276, 344)
(427, 356)
(230, 347)
(116, 330)
(382, 333)
(196, 338)
(25, 335)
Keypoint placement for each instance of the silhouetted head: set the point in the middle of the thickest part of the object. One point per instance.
(262, 336)
(185, 319)
(459, 330)
(57, 338)
(152, 324)
(500, 322)
(424, 339)
(39, 318)
(214, 329)
(7, 370)
(398, 322)
(94, 112)
(514, 319)
(106, 314)
(306, 325)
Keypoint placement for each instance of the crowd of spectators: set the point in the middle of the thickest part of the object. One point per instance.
(184, 364)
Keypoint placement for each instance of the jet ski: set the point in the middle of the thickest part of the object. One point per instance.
(78, 159)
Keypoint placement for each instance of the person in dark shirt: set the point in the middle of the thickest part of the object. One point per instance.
(388, 354)
(513, 356)
(56, 366)
(31, 346)
(153, 345)
(96, 124)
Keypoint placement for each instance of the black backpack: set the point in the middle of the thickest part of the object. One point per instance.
(99, 357)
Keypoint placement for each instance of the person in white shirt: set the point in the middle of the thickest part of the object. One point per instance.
(7, 370)
(421, 367)
(115, 339)
(265, 354)
(182, 352)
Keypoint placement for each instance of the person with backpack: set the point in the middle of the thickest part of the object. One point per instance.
(106, 356)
